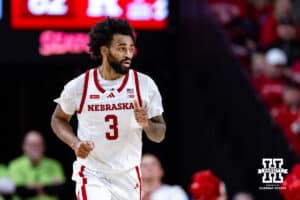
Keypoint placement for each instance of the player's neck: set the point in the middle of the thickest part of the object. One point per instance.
(108, 73)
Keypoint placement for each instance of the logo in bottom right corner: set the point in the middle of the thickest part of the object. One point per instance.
(272, 173)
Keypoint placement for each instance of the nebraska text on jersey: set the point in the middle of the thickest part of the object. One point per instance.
(107, 107)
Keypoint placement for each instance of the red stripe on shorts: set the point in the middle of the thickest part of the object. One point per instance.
(140, 180)
(84, 182)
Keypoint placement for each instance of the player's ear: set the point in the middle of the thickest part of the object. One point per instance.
(104, 50)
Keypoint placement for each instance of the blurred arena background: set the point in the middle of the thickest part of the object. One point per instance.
(215, 118)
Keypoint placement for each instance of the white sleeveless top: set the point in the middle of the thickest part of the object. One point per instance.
(105, 116)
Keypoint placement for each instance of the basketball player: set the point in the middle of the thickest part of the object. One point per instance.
(113, 104)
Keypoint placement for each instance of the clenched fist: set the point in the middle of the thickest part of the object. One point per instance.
(83, 148)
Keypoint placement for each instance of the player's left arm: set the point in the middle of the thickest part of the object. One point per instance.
(155, 127)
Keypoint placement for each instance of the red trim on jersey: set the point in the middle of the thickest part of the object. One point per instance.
(84, 182)
(140, 180)
(85, 86)
(123, 83)
(97, 82)
(137, 87)
(101, 89)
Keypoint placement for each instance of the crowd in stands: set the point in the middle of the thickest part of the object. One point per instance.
(264, 35)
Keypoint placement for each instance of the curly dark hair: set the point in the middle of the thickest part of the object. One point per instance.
(102, 33)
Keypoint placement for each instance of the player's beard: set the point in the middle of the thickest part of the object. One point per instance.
(117, 65)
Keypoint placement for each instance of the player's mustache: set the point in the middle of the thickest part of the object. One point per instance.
(126, 59)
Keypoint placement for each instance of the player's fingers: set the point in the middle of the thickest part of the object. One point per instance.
(141, 115)
(142, 120)
(136, 106)
(140, 111)
(91, 144)
(81, 146)
(84, 147)
(138, 118)
(88, 145)
(82, 151)
(82, 154)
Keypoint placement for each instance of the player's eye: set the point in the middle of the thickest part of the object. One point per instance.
(122, 49)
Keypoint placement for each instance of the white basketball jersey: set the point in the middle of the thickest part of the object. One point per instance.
(106, 117)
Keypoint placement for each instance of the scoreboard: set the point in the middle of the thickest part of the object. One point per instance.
(56, 31)
(82, 14)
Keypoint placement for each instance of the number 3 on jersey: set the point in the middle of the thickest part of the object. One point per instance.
(113, 120)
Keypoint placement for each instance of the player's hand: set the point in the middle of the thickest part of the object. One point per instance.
(83, 148)
(141, 115)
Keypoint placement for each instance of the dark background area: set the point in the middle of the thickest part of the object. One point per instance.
(214, 118)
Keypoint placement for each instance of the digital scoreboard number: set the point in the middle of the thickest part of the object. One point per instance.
(82, 14)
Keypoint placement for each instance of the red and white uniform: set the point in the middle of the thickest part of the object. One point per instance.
(105, 116)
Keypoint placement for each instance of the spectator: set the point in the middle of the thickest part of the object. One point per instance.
(153, 188)
(288, 115)
(234, 19)
(295, 71)
(36, 176)
(270, 82)
(7, 186)
(227, 11)
(260, 10)
(282, 9)
(288, 39)
(206, 186)
(243, 196)
(258, 64)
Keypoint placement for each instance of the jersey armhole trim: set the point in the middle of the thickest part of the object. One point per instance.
(85, 87)
(137, 87)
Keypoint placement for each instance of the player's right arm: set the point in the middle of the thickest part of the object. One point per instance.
(67, 104)
(64, 131)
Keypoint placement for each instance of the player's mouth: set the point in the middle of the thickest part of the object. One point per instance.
(126, 63)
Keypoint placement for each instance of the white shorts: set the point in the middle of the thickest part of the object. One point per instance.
(92, 185)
